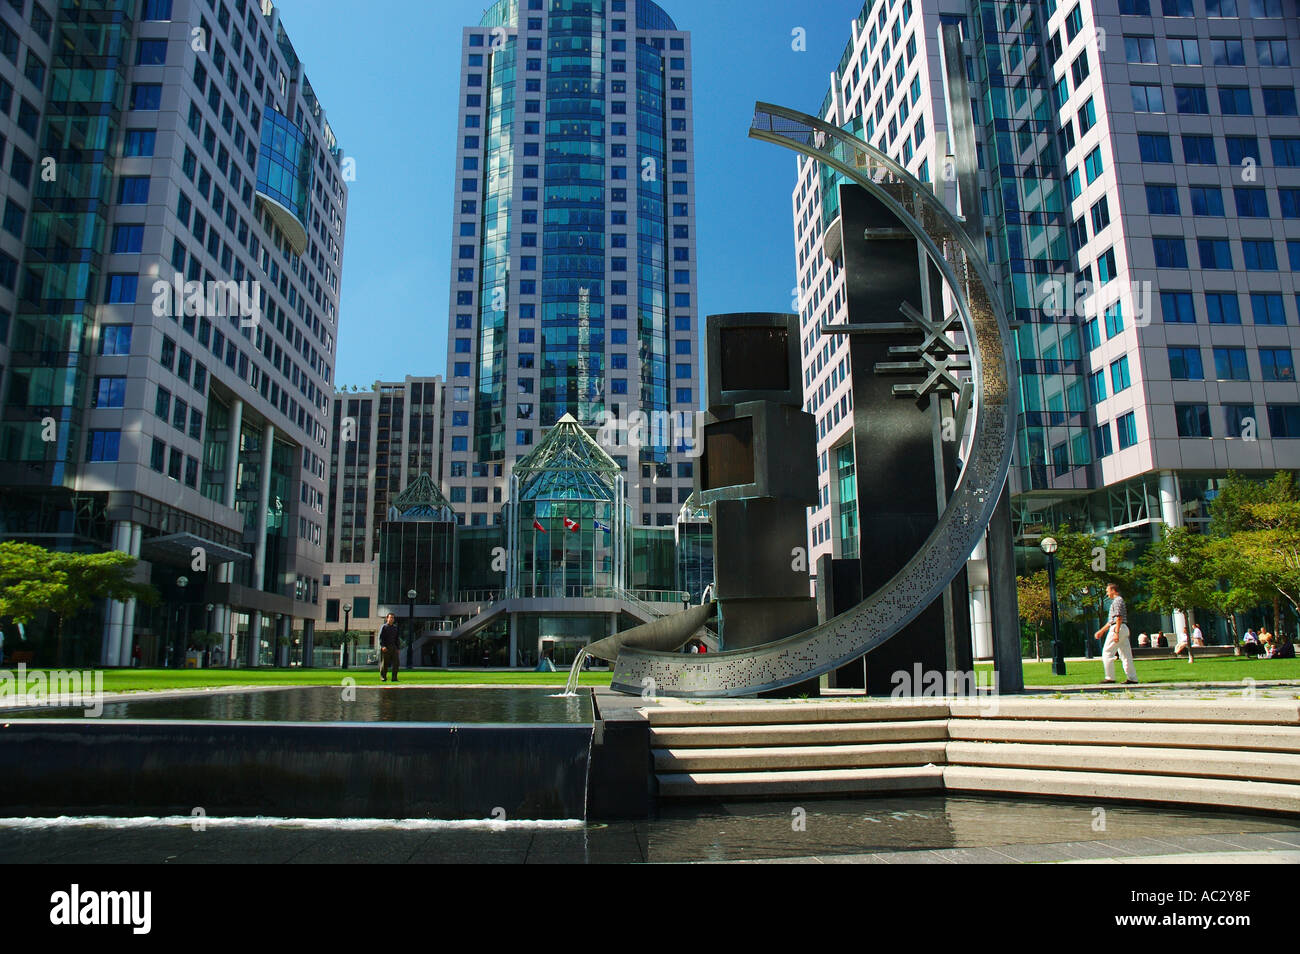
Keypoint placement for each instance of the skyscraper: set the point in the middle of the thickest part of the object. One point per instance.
(169, 280)
(573, 273)
(1140, 178)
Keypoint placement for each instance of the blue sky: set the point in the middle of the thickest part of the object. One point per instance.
(389, 80)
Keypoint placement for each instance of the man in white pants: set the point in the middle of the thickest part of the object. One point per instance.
(1117, 642)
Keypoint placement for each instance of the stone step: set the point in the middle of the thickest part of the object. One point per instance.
(1198, 763)
(833, 733)
(1217, 711)
(1281, 738)
(799, 783)
(780, 712)
(1223, 793)
(797, 757)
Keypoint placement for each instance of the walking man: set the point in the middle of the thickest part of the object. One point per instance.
(1117, 642)
(388, 643)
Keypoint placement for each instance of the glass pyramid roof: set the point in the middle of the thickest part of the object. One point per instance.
(423, 500)
(567, 465)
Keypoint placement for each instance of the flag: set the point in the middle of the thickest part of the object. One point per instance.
(537, 525)
(570, 524)
(601, 526)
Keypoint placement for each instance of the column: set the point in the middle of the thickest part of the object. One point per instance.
(308, 643)
(1003, 597)
(253, 642)
(263, 504)
(981, 612)
(1171, 515)
(514, 640)
(111, 647)
(128, 611)
(226, 571)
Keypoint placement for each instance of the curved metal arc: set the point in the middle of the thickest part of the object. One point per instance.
(898, 602)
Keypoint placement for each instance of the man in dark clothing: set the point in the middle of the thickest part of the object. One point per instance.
(388, 645)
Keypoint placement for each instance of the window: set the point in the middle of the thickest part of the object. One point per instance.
(1191, 100)
(1223, 308)
(1177, 8)
(1119, 376)
(1162, 200)
(1127, 427)
(1106, 270)
(1241, 148)
(1239, 420)
(1093, 164)
(1148, 98)
(1100, 215)
(1170, 252)
(1183, 51)
(1185, 364)
(1206, 200)
(1214, 253)
(1199, 150)
(1235, 101)
(1266, 308)
(133, 190)
(1286, 151)
(1177, 308)
(1097, 386)
(115, 340)
(1279, 101)
(1251, 203)
(1260, 255)
(103, 445)
(110, 392)
(1284, 420)
(1193, 420)
(127, 239)
(151, 53)
(1101, 441)
(1154, 147)
(139, 142)
(1275, 364)
(1230, 364)
(1273, 52)
(146, 96)
(1140, 49)
(1227, 53)
(121, 289)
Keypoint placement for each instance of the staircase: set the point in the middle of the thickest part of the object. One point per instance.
(1227, 753)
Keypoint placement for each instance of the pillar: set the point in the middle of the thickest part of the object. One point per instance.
(263, 504)
(1171, 515)
(1005, 603)
(981, 610)
(111, 647)
(253, 643)
(514, 640)
(226, 571)
(308, 643)
(128, 610)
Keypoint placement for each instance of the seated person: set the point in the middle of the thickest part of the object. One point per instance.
(1144, 639)
(1183, 642)
(1250, 645)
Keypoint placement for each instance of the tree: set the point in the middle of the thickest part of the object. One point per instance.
(1084, 565)
(1257, 525)
(34, 579)
(1175, 572)
(1035, 598)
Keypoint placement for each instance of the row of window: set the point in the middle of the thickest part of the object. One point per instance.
(1257, 255)
(1275, 364)
(1186, 51)
(1190, 100)
(1223, 308)
(1250, 202)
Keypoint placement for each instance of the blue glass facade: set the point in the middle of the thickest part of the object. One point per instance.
(573, 197)
(284, 172)
(573, 233)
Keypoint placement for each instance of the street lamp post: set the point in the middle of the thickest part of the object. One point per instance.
(1058, 654)
(410, 636)
(347, 616)
(180, 645)
(207, 645)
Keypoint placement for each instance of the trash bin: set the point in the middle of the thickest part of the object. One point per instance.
(194, 660)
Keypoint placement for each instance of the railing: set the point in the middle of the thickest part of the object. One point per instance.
(478, 596)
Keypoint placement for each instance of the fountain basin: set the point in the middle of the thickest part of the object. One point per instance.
(508, 754)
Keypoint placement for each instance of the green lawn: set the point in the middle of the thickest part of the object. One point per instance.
(129, 680)
(1209, 669)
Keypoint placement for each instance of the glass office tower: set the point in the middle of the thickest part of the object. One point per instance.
(573, 252)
